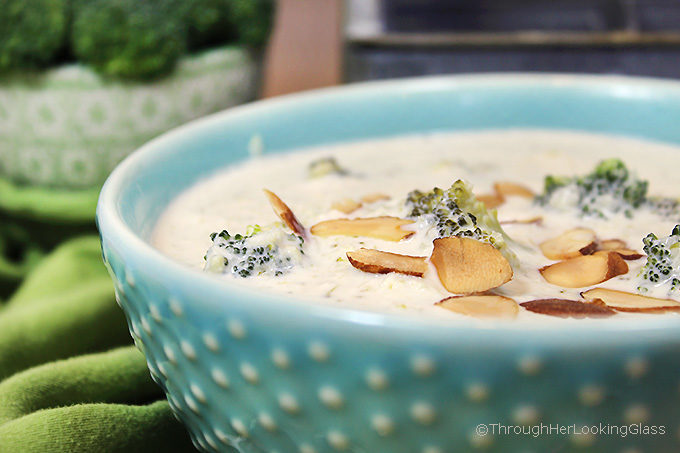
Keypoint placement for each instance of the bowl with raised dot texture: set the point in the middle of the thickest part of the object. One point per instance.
(256, 372)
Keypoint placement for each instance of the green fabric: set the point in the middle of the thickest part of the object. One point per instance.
(33, 221)
(89, 403)
(97, 428)
(55, 205)
(65, 307)
(17, 257)
(69, 379)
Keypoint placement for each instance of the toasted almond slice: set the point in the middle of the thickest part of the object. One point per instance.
(620, 247)
(373, 197)
(468, 266)
(379, 262)
(567, 308)
(511, 189)
(490, 201)
(585, 270)
(570, 244)
(481, 306)
(628, 255)
(346, 205)
(532, 220)
(611, 244)
(387, 228)
(285, 214)
(623, 301)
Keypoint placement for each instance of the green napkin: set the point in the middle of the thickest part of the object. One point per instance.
(51, 206)
(64, 308)
(96, 402)
(69, 379)
(33, 220)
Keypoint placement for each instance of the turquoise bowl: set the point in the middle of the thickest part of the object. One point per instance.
(257, 372)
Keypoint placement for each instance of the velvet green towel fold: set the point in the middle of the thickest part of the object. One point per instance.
(45, 204)
(102, 401)
(89, 403)
(33, 220)
(64, 308)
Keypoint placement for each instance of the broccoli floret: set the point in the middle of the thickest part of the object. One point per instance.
(32, 33)
(261, 251)
(252, 20)
(208, 22)
(456, 212)
(325, 166)
(552, 183)
(134, 39)
(661, 272)
(668, 208)
(609, 188)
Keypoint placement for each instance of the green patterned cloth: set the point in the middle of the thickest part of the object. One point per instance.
(69, 378)
(34, 220)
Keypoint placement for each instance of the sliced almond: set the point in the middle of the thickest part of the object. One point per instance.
(628, 255)
(285, 214)
(532, 220)
(620, 247)
(387, 228)
(623, 301)
(346, 205)
(379, 262)
(481, 306)
(373, 197)
(567, 308)
(490, 201)
(611, 244)
(570, 244)
(511, 189)
(585, 270)
(468, 266)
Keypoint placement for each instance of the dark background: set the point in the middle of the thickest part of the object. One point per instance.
(638, 37)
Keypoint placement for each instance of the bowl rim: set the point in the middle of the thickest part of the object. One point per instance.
(112, 226)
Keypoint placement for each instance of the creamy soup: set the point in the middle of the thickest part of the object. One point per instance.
(374, 178)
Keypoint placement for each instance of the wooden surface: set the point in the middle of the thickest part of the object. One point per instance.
(522, 38)
(306, 47)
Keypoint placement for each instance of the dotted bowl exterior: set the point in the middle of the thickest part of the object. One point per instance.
(262, 373)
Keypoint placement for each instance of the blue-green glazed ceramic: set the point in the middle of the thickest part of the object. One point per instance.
(264, 373)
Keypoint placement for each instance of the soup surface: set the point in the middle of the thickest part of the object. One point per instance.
(374, 178)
